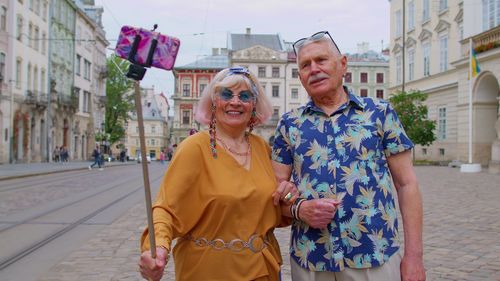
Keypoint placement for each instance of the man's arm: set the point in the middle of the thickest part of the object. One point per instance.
(410, 204)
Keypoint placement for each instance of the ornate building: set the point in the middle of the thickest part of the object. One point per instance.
(435, 45)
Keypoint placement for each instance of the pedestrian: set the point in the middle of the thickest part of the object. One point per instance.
(56, 153)
(162, 157)
(225, 227)
(344, 153)
(122, 156)
(97, 158)
(64, 154)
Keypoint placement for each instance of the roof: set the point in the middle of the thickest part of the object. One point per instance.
(370, 56)
(150, 112)
(243, 41)
(210, 62)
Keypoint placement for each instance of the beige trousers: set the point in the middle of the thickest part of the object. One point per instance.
(389, 271)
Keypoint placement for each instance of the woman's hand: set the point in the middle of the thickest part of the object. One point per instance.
(286, 192)
(152, 269)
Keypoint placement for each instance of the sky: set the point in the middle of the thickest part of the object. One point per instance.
(204, 24)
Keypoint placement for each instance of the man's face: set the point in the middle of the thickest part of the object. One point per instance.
(320, 68)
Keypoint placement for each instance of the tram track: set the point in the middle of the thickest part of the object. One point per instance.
(22, 252)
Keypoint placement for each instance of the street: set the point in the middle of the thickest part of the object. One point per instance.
(461, 240)
(44, 218)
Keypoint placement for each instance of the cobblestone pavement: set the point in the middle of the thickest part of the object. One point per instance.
(461, 234)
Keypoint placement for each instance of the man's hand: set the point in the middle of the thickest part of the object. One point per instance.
(318, 213)
(412, 268)
(152, 269)
(286, 192)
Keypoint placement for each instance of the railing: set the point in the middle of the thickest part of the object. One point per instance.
(482, 42)
(30, 97)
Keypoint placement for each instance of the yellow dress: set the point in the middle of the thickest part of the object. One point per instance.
(217, 199)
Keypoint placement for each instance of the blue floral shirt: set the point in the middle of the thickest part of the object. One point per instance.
(344, 156)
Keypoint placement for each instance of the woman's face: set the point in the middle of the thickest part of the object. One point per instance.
(234, 107)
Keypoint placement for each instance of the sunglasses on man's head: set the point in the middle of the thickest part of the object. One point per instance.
(244, 96)
(315, 37)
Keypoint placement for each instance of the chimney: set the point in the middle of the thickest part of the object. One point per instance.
(249, 31)
(215, 51)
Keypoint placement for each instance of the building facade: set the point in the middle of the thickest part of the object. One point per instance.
(190, 81)
(435, 47)
(155, 128)
(40, 107)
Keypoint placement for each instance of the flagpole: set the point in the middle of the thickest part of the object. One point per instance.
(470, 99)
(470, 167)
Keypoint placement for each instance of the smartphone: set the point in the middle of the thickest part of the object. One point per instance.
(147, 48)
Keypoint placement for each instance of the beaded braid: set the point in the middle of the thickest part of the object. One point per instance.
(211, 131)
(251, 123)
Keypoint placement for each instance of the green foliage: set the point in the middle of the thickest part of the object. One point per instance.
(413, 115)
(118, 99)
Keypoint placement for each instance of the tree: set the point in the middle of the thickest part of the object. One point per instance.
(413, 115)
(118, 99)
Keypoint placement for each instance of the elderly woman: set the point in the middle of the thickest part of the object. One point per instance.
(219, 194)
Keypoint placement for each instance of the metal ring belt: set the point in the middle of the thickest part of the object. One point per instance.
(255, 243)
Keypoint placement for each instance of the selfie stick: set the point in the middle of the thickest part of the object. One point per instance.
(137, 72)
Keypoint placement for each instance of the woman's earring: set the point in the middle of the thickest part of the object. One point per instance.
(252, 121)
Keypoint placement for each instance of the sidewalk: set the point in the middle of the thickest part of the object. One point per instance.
(11, 171)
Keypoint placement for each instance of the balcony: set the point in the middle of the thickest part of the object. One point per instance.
(482, 42)
(70, 101)
(30, 97)
(102, 72)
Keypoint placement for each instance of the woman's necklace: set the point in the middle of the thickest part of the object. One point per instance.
(228, 148)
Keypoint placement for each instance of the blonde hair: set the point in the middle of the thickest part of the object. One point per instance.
(229, 78)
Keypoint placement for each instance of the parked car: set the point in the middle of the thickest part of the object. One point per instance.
(139, 158)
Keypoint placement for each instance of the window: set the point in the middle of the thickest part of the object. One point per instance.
(44, 40)
(399, 25)
(411, 15)
(276, 91)
(78, 65)
(442, 123)
(427, 54)
(29, 78)
(42, 81)
(78, 35)
(44, 11)
(443, 5)
(186, 90)
(86, 69)
(153, 129)
(36, 40)
(37, 7)
(202, 88)
(424, 151)
(380, 78)
(441, 152)
(185, 117)
(3, 18)
(443, 53)
(30, 35)
(35, 79)
(411, 64)
(153, 142)
(398, 69)
(262, 72)
(461, 30)
(2, 65)
(276, 72)
(363, 77)
(295, 73)
(295, 93)
(137, 130)
(19, 31)
(491, 14)
(348, 77)
(276, 114)
(380, 94)
(18, 72)
(30, 5)
(363, 92)
(425, 10)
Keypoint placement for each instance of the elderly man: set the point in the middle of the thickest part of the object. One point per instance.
(345, 153)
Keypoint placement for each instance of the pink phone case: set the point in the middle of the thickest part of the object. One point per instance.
(164, 54)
